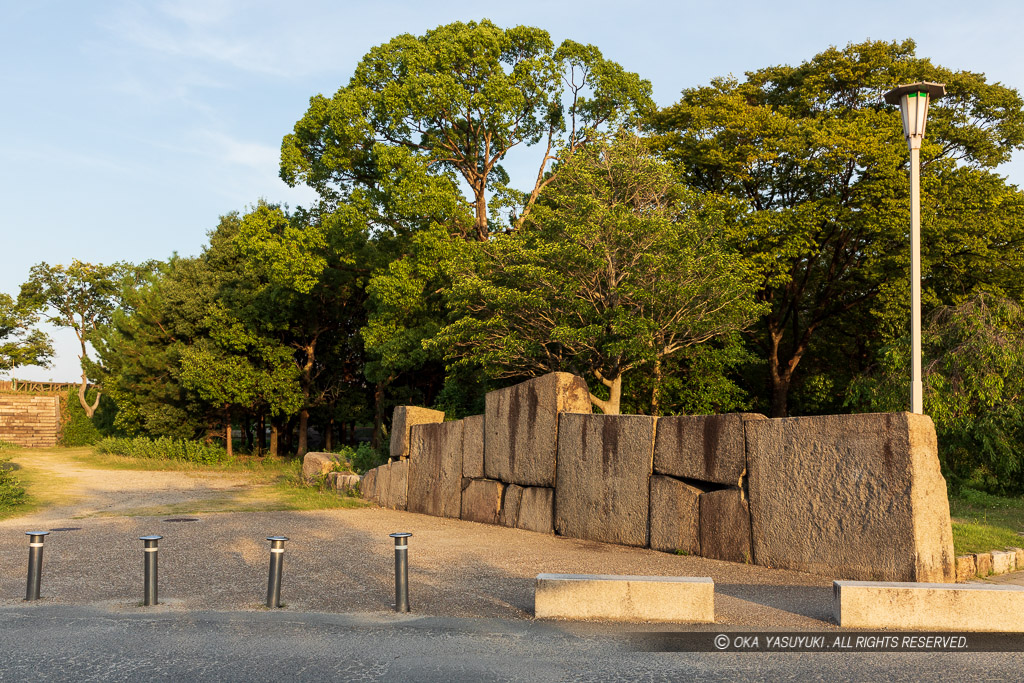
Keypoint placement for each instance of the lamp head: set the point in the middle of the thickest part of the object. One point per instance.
(913, 100)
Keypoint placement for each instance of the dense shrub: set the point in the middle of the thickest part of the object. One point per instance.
(12, 493)
(76, 428)
(163, 448)
(362, 458)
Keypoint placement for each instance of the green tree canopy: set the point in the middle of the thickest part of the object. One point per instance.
(20, 344)
(423, 113)
(81, 296)
(820, 162)
(619, 267)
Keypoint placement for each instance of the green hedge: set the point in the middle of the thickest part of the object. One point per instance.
(163, 448)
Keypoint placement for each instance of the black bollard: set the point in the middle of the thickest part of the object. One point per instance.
(401, 571)
(35, 562)
(150, 565)
(276, 562)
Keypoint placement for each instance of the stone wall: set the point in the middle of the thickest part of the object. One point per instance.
(847, 496)
(29, 420)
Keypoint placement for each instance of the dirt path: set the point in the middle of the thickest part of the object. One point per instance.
(71, 489)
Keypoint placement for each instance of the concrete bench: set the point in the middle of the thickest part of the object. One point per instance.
(624, 598)
(928, 606)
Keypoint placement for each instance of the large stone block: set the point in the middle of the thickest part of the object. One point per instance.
(604, 468)
(510, 505)
(368, 489)
(703, 447)
(402, 420)
(481, 500)
(725, 526)
(675, 515)
(624, 598)
(393, 485)
(473, 447)
(521, 427)
(983, 563)
(928, 606)
(850, 496)
(537, 510)
(435, 469)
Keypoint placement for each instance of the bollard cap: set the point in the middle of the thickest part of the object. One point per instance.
(151, 537)
(400, 534)
(37, 533)
(277, 538)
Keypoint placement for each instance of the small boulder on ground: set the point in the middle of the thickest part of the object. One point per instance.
(315, 465)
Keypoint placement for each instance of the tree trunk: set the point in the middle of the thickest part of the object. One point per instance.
(611, 406)
(303, 431)
(480, 204)
(261, 440)
(656, 391)
(90, 410)
(274, 437)
(329, 436)
(378, 415)
(227, 436)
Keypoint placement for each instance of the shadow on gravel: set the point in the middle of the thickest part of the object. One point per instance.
(808, 601)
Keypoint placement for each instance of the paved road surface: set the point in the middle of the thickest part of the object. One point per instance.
(58, 642)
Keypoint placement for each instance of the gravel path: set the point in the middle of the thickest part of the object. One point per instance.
(339, 560)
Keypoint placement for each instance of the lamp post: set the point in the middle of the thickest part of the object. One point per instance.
(913, 100)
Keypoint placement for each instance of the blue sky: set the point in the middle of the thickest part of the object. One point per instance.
(127, 128)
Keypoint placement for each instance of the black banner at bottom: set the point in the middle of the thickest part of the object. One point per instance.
(827, 641)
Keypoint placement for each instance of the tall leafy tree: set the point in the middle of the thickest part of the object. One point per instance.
(821, 163)
(451, 104)
(309, 277)
(20, 344)
(82, 297)
(620, 267)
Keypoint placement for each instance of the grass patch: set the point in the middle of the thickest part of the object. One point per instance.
(984, 522)
(41, 488)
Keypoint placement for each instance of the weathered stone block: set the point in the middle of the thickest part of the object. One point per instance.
(854, 496)
(315, 465)
(675, 515)
(1019, 552)
(983, 563)
(928, 606)
(1003, 562)
(521, 427)
(343, 481)
(393, 485)
(473, 447)
(481, 500)
(604, 468)
(435, 469)
(383, 485)
(537, 510)
(624, 598)
(965, 568)
(725, 526)
(704, 447)
(510, 506)
(368, 489)
(402, 420)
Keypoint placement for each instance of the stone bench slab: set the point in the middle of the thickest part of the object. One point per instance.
(624, 598)
(928, 606)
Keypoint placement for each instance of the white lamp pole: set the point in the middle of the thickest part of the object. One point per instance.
(913, 100)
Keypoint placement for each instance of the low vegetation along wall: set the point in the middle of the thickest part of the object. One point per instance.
(848, 496)
(29, 420)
